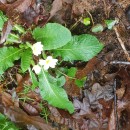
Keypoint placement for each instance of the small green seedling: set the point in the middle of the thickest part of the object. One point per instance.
(86, 21)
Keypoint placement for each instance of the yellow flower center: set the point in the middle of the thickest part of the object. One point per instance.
(47, 61)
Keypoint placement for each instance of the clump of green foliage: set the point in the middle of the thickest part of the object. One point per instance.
(55, 44)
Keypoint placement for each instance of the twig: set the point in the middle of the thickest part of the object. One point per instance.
(74, 25)
(91, 17)
(105, 8)
(66, 75)
(115, 106)
(122, 43)
(120, 62)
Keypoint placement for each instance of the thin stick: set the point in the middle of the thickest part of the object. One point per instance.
(66, 75)
(91, 17)
(115, 106)
(122, 43)
(77, 22)
(120, 62)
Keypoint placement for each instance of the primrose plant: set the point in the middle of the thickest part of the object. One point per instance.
(53, 45)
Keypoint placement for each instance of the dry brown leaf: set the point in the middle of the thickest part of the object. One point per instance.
(112, 123)
(3, 1)
(19, 78)
(56, 6)
(6, 31)
(22, 5)
(120, 92)
(29, 109)
(87, 69)
(17, 115)
(23, 81)
(80, 6)
(7, 99)
(81, 73)
(67, 121)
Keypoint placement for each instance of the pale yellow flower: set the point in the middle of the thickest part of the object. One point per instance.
(37, 48)
(49, 62)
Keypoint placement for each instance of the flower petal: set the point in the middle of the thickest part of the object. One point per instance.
(37, 48)
(42, 62)
(46, 67)
(37, 69)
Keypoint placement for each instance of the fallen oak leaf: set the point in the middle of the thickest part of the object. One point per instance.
(68, 121)
(17, 115)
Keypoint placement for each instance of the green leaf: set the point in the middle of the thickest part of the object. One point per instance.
(54, 94)
(33, 79)
(83, 47)
(80, 82)
(19, 28)
(3, 18)
(86, 21)
(72, 72)
(13, 38)
(110, 23)
(8, 56)
(26, 59)
(52, 36)
(61, 81)
(5, 124)
(97, 28)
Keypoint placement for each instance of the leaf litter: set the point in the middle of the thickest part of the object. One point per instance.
(94, 102)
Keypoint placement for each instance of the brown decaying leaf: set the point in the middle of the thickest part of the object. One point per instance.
(7, 100)
(75, 90)
(19, 78)
(3, 1)
(6, 31)
(80, 6)
(87, 69)
(29, 109)
(21, 11)
(112, 123)
(56, 6)
(12, 110)
(22, 5)
(23, 81)
(19, 116)
(120, 92)
(57, 117)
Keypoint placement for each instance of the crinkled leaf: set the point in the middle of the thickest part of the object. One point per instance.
(7, 57)
(26, 59)
(52, 35)
(54, 94)
(83, 47)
